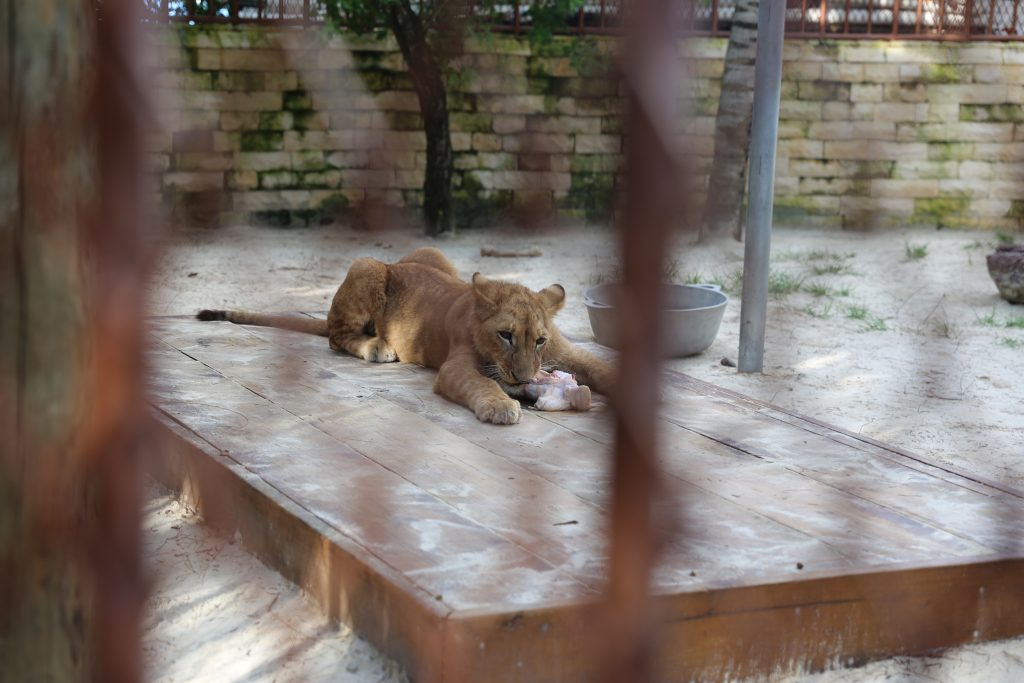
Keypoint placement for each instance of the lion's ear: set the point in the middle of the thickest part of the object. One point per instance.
(553, 298)
(483, 291)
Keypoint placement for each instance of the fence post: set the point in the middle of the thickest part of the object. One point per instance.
(771, 24)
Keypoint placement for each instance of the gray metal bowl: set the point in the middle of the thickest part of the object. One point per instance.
(693, 314)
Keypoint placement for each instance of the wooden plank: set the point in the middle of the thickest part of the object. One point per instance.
(394, 520)
(850, 525)
(895, 552)
(716, 548)
(954, 508)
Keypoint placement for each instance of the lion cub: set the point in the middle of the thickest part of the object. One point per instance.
(486, 338)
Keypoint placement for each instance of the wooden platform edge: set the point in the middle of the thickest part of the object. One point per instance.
(764, 630)
(718, 634)
(375, 600)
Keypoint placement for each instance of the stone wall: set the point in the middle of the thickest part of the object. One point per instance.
(295, 127)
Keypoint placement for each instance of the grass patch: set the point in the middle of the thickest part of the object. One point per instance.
(814, 255)
(781, 283)
(696, 278)
(1017, 322)
(987, 320)
(915, 252)
(818, 289)
(823, 312)
(1010, 342)
(856, 312)
(731, 283)
(875, 325)
(821, 290)
(872, 323)
(834, 268)
(976, 244)
(1004, 237)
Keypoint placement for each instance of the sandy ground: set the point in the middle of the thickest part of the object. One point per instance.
(899, 336)
(217, 614)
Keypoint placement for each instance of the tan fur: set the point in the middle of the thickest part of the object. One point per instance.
(419, 311)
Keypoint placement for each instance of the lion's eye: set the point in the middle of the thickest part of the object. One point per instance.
(507, 336)
(541, 341)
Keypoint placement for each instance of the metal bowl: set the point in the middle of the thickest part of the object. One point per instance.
(693, 314)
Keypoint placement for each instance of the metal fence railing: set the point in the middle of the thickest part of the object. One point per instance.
(875, 19)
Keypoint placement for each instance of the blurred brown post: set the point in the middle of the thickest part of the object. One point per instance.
(72, 409)
(650, 210)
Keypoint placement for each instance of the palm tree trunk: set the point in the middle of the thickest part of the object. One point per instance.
(429, 85)
(727, 186)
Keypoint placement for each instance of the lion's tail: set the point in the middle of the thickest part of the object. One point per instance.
(296, 323)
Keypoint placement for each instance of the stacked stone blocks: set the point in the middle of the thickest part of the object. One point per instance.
(283, 126)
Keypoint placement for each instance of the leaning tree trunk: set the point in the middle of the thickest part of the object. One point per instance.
(429, 84)
(727, 185)
(71, 388)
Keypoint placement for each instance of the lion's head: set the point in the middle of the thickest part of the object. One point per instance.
(512, 331)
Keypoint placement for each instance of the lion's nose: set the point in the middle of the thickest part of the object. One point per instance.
(516, 378)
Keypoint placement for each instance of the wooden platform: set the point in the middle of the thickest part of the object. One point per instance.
(474, 553)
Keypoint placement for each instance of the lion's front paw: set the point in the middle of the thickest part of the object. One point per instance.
(377, 350)
(499, 411)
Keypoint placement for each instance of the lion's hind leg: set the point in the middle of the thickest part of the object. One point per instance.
(433, 257)
(355, 321)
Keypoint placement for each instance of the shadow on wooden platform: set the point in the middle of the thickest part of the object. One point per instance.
(472, 552)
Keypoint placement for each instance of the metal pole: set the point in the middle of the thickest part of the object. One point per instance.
(764, 133)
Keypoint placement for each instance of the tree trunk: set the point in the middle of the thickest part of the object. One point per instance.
(429, 84)
(727, 186)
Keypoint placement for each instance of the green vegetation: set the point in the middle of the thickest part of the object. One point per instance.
(915, 252)
(1010, 342)
(988, 320)
(856, 312)
(832, 269)
(781, 283)
(823, 312)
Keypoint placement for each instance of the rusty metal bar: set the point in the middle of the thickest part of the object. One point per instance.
(991, 15)
(968, 19)
(871, 15)
(515, 14)
(1013, 21)
(917, 22)
(580, 20)
(650, 210)
(233, 12)
(896, 18)
(714, 17)
(601, 23)
(821, 19)
(846, 18)
(803, 16)
(115, 431)
(942, 17)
